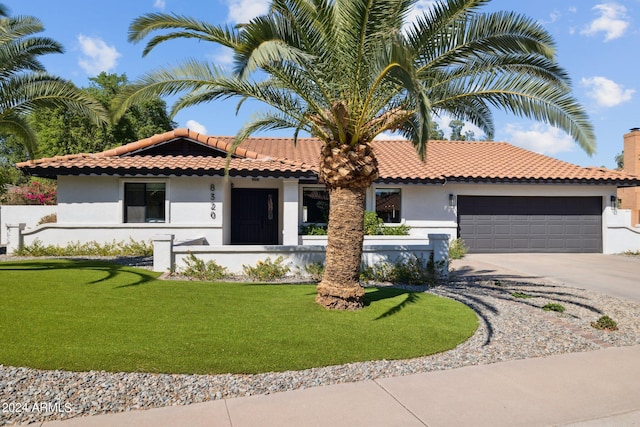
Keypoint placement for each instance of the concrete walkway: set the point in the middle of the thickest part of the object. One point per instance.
(599, 388)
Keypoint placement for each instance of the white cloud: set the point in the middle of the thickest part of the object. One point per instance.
(159, 4)
(390, 136)
(196, 127)
(223, 56)
(613, 21)
(97, 56)
(541, 138)
(553, 17)
(419, 8)
(605, 92)
(243, 11)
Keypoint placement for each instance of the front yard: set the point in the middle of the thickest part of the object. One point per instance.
(89, 315)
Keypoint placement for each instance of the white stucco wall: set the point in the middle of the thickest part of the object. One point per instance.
(29, 215)
(620, 237)
(88, 200)
(90, 208)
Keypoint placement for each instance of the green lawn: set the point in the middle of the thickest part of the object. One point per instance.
(84, 315)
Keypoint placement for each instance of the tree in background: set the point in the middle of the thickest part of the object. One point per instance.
(65, 132)
(346, 71)
(620, 161)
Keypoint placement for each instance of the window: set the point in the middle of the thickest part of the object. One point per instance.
(144, 202)
(388, 203)
(315, 205)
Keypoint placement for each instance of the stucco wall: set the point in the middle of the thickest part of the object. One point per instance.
(88, 200)
(90, 208)
(30, 215)
(620, 237)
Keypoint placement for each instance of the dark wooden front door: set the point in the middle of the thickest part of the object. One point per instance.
(254, 216)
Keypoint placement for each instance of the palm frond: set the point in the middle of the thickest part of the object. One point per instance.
(18, 125)
(350, 69)
(189, 28)
(23, 94)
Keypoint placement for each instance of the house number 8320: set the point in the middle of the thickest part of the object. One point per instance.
(213, 201)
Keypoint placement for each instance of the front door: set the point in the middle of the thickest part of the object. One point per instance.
(254, 216)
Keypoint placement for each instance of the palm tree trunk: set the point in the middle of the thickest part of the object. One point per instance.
(340, 286)
(347, 171)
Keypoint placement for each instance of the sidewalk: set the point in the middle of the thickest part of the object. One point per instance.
(599, 388)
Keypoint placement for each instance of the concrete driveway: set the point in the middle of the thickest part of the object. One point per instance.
(615, 275)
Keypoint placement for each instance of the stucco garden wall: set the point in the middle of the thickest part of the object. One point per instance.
(170, 256)
(29, 215)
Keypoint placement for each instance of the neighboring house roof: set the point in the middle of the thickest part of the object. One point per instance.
(446, 161)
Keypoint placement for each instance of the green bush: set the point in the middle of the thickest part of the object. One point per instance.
(412, 270)
(267, 270)
(457, 249)
(379, 272)
(313, 230)
(521, 295)
(198, 269)
(554, 307)
(133, 248)
(605, 323)
(315, 270)
(373, 226)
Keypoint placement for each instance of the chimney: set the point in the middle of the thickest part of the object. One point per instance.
(632, 151)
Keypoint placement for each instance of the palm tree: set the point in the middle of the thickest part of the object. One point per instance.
(24, 83)
(347, 70)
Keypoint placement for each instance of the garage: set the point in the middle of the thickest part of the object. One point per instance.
(530, 224)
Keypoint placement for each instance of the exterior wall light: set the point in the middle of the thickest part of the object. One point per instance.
(452, 200)
(614, 202)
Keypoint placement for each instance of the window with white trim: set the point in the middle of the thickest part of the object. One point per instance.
(315, 205)
(144, 202)
(388, 203)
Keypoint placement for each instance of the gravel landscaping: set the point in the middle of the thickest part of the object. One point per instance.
(510, 328)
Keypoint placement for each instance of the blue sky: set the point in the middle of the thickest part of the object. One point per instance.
(597, 42)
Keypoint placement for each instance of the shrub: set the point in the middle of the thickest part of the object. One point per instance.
(313, 230)
(457, 249)
(412, 270)
(35, 192)
(133, 248)
(521, 295)
(315, 270)
(48, 219)
(554, 307)
(379, 272)
(373, 226)
(198, 269)
(267, 270)
(605, 323)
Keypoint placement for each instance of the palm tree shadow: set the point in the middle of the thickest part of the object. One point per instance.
(110, 269)
(386, 293)
(461, 291)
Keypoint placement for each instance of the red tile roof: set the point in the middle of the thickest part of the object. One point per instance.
(398, 161)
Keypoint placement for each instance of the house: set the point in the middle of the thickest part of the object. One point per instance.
(495, 196)
(630, 196)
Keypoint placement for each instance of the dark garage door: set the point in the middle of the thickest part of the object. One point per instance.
(530, 224)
